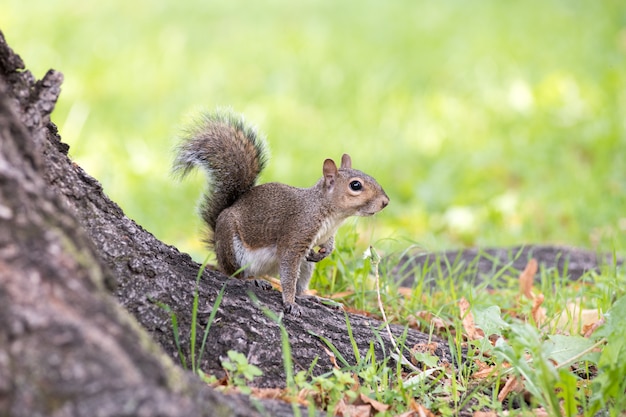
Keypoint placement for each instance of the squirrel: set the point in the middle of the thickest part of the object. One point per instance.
(271, 228)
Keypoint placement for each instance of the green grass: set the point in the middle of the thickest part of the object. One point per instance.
(487, 122)
(563, 372)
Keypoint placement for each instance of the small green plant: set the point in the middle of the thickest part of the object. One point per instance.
(563, 374)
(175, 330)
(196, 358)
(240, 373)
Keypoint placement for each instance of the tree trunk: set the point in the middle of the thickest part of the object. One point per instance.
(72, 268)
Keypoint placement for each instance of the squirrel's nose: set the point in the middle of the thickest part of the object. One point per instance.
(385, 202)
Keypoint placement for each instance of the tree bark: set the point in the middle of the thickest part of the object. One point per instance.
(77, 277)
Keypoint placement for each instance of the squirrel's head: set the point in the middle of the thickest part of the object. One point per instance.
(354, 192)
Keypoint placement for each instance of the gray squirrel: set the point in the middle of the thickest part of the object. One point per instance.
(271, 228)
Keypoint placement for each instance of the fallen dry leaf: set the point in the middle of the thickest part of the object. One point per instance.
(340, 408)
(437, 323)
(331, 355)
(423, 411)
(513, 384)
(467, 318)
(405, 292)
(484, 414)
(304, 395)
(537, 312)
(341, 294)
(484, 370)
(429, 348)
(590, 328)
(419, 409)
(541, 412)
(376, 405)
(274, 281)
(527, 278)
(574, 318)
(484, 373)
(424, 314)
(268, 393)
(357, 383)
(348, 410)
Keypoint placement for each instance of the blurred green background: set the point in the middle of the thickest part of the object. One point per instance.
(487, 122)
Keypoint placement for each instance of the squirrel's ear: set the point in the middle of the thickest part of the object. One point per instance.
(346, 161)
(330, 172)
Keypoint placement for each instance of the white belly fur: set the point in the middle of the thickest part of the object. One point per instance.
(262, 261)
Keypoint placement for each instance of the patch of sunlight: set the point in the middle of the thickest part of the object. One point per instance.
(521, 96)
(461, 219)
(563, 92)
(142, 156)
(426, 138)
(508, 207)
(506, 203)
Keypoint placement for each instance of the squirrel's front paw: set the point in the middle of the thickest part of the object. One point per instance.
(292, 309)
(313, 256)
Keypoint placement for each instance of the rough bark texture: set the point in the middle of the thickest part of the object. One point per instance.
(72, 266)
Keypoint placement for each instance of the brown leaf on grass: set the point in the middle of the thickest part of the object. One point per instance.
(527, 279)
(484, 414)
(304, 395)
(484, 370)
(437, 323)
(542, 412)
(405, 292)
(331, 355)
(484, 373)
(341, 294)
(467, 318)
(376, 405)
(222, 382)
(588, 329)
(413, 322)
(348, 410)
(274, 281)
(268, 393)
(417, 410)
(537, 312)
(281, 394)
(575, 318)
(513, 384)
(357, 383)
(429, 348)
(423, 411)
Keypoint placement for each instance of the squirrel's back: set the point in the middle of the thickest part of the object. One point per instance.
(232, 153)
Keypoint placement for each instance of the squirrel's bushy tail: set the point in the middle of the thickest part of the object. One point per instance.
(232, 153)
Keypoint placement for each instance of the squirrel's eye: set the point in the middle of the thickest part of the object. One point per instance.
(356, 185)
